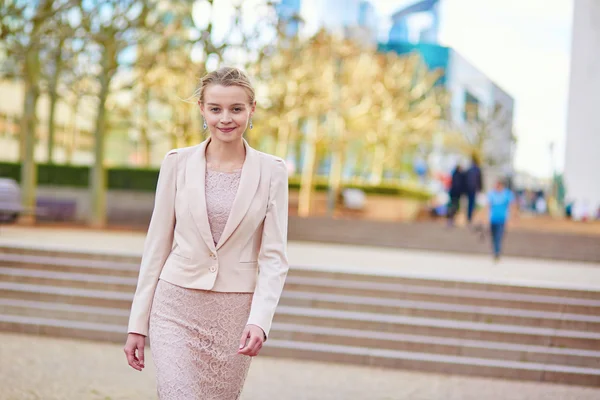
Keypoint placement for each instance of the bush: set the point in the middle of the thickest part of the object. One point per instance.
(144, 180)
(386, 189)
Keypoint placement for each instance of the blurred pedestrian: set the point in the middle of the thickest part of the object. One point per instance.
(456, 191)
(474, 185)
(214, 260)
(500, 201)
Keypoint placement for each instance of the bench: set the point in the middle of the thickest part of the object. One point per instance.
(52, 209)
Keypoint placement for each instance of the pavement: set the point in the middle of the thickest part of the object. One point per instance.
(343, 258)
(42, 368)
(45, 368)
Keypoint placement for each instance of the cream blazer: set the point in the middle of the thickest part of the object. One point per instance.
(251, 253)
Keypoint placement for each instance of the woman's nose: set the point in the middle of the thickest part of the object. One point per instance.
(226, 118)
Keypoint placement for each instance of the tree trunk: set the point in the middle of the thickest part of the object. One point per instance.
(97, 173)
(28, 135)
(53, 87)
(283, 140)
(71, 137)
(29, 168)
(378, 164)
(335, 178)
(144, 131)
(308, 169)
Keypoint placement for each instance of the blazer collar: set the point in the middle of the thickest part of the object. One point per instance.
(195, 178)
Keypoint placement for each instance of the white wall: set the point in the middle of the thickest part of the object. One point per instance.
(462, 76)
(582, 161)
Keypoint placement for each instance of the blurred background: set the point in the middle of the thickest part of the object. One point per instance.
(382, 97)
(376, 107)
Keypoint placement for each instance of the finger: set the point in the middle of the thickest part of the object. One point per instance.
(251, 347)
(132, 360)
(141, 355)
(244, 337)
(256, 350)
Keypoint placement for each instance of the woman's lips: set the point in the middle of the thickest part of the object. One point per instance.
(226, 130)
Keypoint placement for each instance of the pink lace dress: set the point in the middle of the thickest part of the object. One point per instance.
(194, 334)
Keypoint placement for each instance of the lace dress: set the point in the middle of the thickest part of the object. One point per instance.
(194, 334)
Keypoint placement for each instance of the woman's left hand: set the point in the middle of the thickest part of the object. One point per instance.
(252, 340)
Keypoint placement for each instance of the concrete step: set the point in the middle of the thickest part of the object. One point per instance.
(336, 319)
(41, 250)
(68, 279)
(69, 264)
(295, 300)
(443, 364)
(352, 337)
(389, 277)
(64, 311)
(462, 312)
(66, 295)
(445, 295)
(129, 267)
(439, 328)
(440, 363)
(435, 345)
(479, 298)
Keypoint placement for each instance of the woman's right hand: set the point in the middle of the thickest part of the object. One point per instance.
(135, 342)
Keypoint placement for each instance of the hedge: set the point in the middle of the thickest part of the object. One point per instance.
(144, 180)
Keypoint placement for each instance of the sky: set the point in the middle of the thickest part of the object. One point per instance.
(524, 46)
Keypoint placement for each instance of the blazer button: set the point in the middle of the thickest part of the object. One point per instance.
(213, 256)
(213, 268)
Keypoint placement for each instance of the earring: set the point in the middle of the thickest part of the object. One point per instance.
(204, 125)
(251, 126)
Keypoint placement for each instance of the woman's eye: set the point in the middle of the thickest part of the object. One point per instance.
(237, 109)
(214, 109)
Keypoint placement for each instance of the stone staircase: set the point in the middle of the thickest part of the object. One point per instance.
(527, 333)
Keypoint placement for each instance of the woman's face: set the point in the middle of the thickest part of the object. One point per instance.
(227, 110)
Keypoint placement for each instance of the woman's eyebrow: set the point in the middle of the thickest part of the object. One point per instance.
(215, 104)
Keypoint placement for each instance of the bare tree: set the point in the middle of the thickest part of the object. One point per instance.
(23, 27)
(112, 26)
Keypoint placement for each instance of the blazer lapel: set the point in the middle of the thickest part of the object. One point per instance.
(245, 194)
(195, 180)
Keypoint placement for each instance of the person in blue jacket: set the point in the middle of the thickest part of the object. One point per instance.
(501, 207)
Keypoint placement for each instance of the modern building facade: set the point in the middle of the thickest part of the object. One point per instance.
(473, 95)
(582, 158)
(416, 23)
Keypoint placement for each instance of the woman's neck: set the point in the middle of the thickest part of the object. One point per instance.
(223, 156)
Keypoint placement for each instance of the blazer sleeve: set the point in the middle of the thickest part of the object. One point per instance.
(157, 246)
(272, 258)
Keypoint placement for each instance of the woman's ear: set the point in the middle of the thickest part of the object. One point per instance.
(253, 108)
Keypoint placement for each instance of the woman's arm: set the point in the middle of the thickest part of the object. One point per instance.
(157, 246)
(272, 259)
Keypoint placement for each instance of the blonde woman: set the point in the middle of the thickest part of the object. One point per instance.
(214, 261)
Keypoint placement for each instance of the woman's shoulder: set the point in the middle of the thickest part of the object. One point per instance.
(272, 161)
(182, 151)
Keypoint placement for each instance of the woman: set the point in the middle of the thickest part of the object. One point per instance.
(220, 218)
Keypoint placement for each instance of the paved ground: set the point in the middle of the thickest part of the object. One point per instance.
(403, 262)
(43, 368)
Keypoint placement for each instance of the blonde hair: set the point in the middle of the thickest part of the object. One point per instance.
(225, 76)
